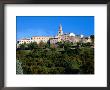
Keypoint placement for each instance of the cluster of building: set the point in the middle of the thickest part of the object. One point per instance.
(60, 37)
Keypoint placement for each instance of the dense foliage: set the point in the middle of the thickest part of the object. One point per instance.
(19, 69)
(60, 58)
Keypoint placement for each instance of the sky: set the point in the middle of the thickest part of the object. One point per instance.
(28, 26)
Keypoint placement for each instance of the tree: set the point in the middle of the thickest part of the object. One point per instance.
(87, 57)
(19, 69)
(41, 44)
(51, 60)
(92, 38)
(23, 46)
(53, 47)
(32, 45)
(60, 44)
(67, 46)
(47, 45)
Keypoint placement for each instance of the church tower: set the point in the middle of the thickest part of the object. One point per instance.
(60, 32)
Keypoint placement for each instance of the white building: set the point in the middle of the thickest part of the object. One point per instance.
(82, 36)
(71, 34)
(24, 40)
(53, 40)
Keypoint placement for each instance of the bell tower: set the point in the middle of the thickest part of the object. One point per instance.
(60, 32)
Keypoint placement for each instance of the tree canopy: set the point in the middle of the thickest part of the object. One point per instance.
(60, 58)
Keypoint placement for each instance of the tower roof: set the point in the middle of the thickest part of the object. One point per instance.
(60, 31)
(60, 27)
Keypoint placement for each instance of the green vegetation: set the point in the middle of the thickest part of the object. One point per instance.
(19, 69)
(60, 58)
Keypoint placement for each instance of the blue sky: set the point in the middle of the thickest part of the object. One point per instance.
(28, 26)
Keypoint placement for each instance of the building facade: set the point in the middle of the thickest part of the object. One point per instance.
(24, 40)
(60, 37)
(38, 39)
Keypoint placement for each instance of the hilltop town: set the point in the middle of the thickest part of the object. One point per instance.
(62, 54)
(60, 37)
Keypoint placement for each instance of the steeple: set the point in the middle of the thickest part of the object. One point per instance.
(60, 31)
(60, 27)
